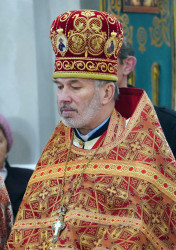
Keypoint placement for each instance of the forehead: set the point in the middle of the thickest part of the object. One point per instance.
(89, 82)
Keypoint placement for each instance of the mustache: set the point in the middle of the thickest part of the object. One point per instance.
(67, 106)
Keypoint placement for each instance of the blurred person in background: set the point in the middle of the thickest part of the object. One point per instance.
(15, 178)
(166, 116)
(6, 217)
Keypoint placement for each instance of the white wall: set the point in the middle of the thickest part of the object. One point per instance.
(27, 93)
(18, 87)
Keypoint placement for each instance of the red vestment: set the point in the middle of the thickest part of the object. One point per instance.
(126, 199)
(6, 218)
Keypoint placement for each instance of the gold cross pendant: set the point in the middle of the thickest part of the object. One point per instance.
(59, 225)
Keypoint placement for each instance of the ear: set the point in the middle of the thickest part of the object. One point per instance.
(129, 64)
(107, 93)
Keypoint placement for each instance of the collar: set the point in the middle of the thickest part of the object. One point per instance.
(98, 131)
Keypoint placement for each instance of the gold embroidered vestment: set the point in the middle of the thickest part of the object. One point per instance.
(126, 199)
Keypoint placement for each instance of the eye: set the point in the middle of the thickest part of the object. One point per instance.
(59, 86)
(76, 88)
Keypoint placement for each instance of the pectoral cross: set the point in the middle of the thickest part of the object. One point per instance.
(59, 225)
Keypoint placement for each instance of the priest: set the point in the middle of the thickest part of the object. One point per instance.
(106, 178)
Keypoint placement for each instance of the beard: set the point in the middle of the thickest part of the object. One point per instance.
(85, 116)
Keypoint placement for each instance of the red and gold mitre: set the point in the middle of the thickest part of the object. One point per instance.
(86, 44)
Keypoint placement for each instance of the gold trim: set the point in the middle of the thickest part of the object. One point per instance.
(35, 223)
(102, 5)
(114, 7)
(142, 39)
(85, 74)
(107, 220)
(132, 78)
(160, 31)
(155, 82)
(114, 168)
(106, 147)
(103, 219)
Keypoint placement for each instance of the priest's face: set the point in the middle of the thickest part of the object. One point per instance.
(79, 103)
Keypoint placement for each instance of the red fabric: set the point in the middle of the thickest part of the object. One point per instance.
(66, 21)
(6, 218)
(88, 42)
(125, 199)
(99, 140)
(128, 101)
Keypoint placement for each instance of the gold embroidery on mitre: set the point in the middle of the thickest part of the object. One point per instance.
(87, 36)
(83, 65)
(61, 42)
(111, 45)
(83, 68)
(65, 16)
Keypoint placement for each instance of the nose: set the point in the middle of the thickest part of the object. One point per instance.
(63, 96)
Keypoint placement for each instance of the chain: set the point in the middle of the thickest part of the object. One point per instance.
(79, 178)
(59, 226)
